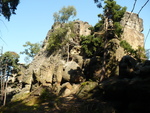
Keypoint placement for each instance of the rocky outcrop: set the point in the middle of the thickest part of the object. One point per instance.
(64, 68)
(70, 75)
(130, 68)
(51, 69)
(127, 67)
(127, 95)
(133, 27)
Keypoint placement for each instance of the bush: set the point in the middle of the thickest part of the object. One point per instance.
(127, 47)
(56, 39)
(59, 37)
(90, 45)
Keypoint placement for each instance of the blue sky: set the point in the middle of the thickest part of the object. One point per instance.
(34, 18)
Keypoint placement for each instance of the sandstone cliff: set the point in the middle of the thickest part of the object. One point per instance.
(67, 64)
(49, 69)
(133, 27)
(132, 33)
(62, 79)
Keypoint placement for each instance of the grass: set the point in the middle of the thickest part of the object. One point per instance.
(31, 104)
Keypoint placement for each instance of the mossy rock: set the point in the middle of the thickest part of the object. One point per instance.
(86, 89)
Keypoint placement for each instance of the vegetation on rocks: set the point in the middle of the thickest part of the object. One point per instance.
(91, 44)
(56, 38)
(64, 14)
(127, 47)
(95, 78)
(60, 36)
(112, 16)
(139, 54)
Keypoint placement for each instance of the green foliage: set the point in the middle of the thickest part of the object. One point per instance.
(92, 30)
(56, 17)
(31, 50)
(112, 12)
(9, 60)
(127, 47)
(140, 54)
(64, 14)
(117, 29)
(115, 11)
(60, 37)
(91, 44)
(56, 39)
(8, 7)
(99, 26)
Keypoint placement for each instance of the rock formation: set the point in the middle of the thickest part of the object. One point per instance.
(66, 65)
(133, 27)
(51, 69)
(67, 73)
(132, 33)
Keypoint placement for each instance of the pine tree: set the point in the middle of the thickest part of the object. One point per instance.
(110, 26)
(8, 7)
(111, 17)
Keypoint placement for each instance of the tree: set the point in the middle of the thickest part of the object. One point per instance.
(112, 16)
(9, 60)
(8, 66)
(99, 4)
(60, 37)
(109, 26)
(64, 14)
(31, 50)
(8, 7)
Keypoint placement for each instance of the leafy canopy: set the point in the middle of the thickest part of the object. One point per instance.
(91, 44)
(64, 14)
(127, 47)
(60, 36)
(56, 38)
(31, 49)
(10, 61)
(8, 7)
(112, 14)
(139, 53)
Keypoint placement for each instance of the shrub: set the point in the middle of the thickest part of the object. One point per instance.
(56, 39)
(91, 44)
(127, 47)
(60, 36)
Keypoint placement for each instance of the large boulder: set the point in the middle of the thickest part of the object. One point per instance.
(127, 95)
(68, 89)
(143, 69)
(127, 66)
(86, 89)
(72, 72)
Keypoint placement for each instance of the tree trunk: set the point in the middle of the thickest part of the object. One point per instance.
(5, 86)
(68, 53)
(5, 94)
(103, 73)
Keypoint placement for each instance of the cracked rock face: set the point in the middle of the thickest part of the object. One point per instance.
(133, 27)
(133, 21)
(48, 69)
(68, 65)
